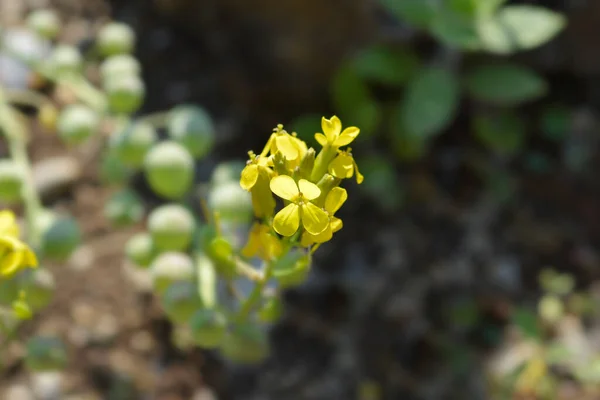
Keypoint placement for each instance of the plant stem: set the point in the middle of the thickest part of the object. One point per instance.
(254, 296)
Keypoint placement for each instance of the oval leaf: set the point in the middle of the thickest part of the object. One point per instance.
(505, 84)
(389, 66)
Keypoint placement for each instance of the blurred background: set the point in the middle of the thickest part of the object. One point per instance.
(469, 253)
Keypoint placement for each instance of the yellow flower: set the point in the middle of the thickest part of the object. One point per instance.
(287, 221)
(14, 254)
(255, 178)
(288, 145)
(253, 168)
(334, 200)
(262, 243)
(334, 136)
(344, 166)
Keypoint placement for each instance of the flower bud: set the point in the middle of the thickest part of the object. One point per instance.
(193, 128)
(65, 60)
(44, 22)
(133, 142)
(221, 252)
(140, 249)
(208, 328)
(279, 164)
(44, 353)
(77, 123)
(11, 182)
(326, 183)
(124, 208)
(170, 267)
(180, 301)
(115, 38)
(60, 235)
(169, 169)
(39, 287)
(307, 164)
(171, 227)
(119, 65)
(125, 93)
(231, 202)
(292, 269)
(246, 343)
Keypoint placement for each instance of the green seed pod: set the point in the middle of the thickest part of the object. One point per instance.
(271, 310)
(125, 93)
(112, 169)
(192, 127)
(65, 60)
(180, 301)
(140, 249)
(169, 169)
(171, 227)
(118, 66)
(11, 182)
(221, 252)
(45, 354)
(307, 164)
(133, 142)
(171, 267)
(60, 236)
(208, 328)
(226, 172)
(246, 343)
(116, 38)
(39, 287)
(233, 203)
(551, 309)
(77, 123)
(292, 269)
(44, 22)
(124, 208)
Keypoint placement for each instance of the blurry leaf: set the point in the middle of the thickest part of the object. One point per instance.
(488, 7)
(390, 66)
(405, 146)
(556, 122)
(430, 103)
(306, 126)
(465, 7)
(519, 27)
(503, 133)
(505, 84)
(381, 182)
(527, 322)
(354, 103)
(416, 12)
(455, 29)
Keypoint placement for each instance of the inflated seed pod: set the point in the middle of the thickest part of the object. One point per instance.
(65, 60)
(140, 249)
(231, 202)
(169, 169)
(292, 269)
(132, 142)
(171, 227)
(44, 22)
(225, 172)
(245, 343)
(180, 301)
(170, 267)
(125, 93)
(119, 65)
(116, 38)
(208, 328)
(11, 182)
(60, 235)
(124, 208)
(192, 127)
(77, 123)
(45, 353)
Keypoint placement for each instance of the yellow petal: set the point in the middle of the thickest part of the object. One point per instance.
(284, 186)
(29, 259)
(335, 199)
(341, 166)
(307, 239)
(359, 177)
(300, 146)
(8, 224)
(331, 128)
(249, 176)
(314, 219)
(324, 236)
(268, 146)
(251, 247)
(347, 136)
(309, 190)
(336, 224)
(287, 221)
(321, 139)
(286, 147)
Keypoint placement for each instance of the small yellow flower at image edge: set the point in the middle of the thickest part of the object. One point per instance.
(15, 255)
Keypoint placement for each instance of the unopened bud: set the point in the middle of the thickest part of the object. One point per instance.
(326, 183)
(306, 164)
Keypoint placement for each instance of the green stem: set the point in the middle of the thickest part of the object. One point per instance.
(16, 135)
(254, 296)
(25, 97)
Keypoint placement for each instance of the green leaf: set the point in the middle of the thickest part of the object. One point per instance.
(416, 12)
(555, 122)
(486, 8)
(505, 84)
(455, 29)
(503, 133)
(389, 66)
(430, 102)
(519, 27)
(527, 322)
(353, 101)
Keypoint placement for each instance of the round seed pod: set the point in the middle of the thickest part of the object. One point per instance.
(125, 93)
(208, 328)
(124, 208)
(292, 269)
(233, 203)
(11, 182)
(44, 353)
(65, 60)
(44, 22)
(551, 309)
(39, 286)
(77, 123)
(171, 267)
(180, 300)
(60, 236)
(169, 169)
(112, 170)
(225, 172)
(116, 38)
(119, 65)
(193, 128)
(140, 249)
(245, 343)
(171, 227)
(133, 142)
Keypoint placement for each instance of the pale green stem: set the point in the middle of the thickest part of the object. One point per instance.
(157, 119)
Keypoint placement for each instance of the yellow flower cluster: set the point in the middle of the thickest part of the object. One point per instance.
(306, 182)
(14, 254)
